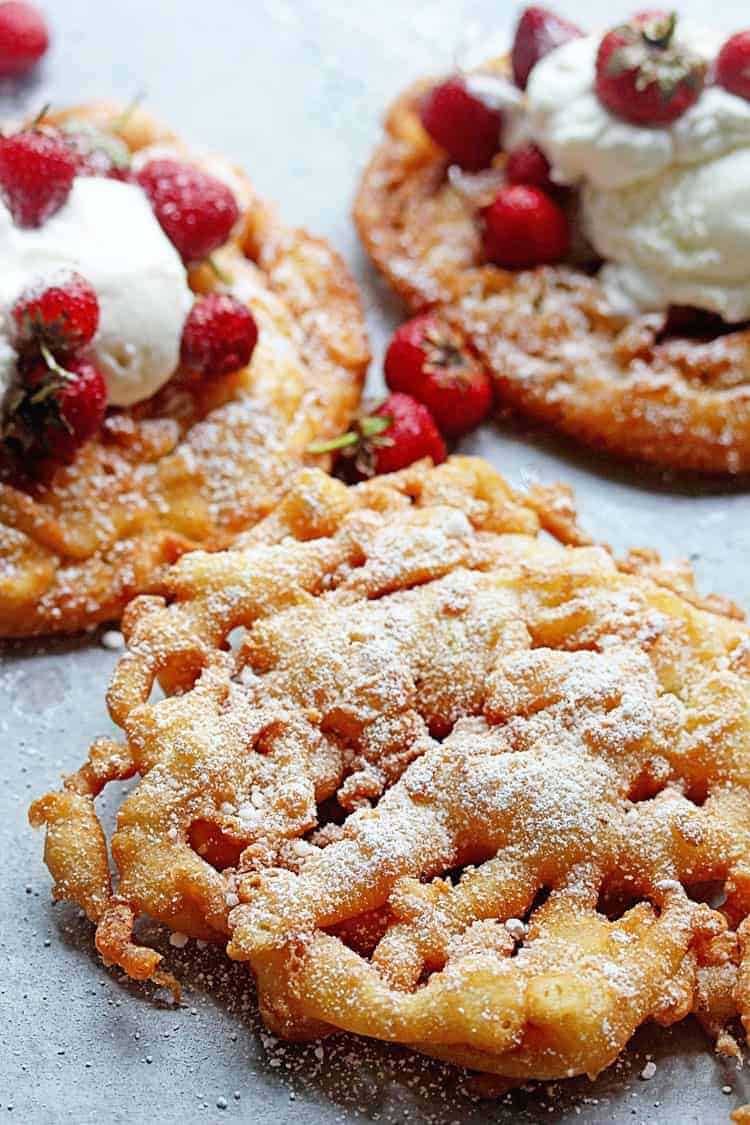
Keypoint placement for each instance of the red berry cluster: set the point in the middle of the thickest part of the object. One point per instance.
(438, 388)
(524, 226)
(460, 119)
(61, 396)
(644, 74)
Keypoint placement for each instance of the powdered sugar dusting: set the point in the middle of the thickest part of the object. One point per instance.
(439, 751)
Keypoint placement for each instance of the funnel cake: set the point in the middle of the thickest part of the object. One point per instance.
(199, 460)
(452, 785)
(557, 349)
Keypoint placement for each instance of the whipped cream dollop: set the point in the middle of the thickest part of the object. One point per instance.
(106, 231)
(667, 207)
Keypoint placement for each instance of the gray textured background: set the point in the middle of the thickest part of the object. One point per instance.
(294, 91)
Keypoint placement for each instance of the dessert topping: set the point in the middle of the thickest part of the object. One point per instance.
(196, 211)
(466, 125)
(538, 32)
(427, 360)
(398, 432)
(733, 65)
(106, 232)
(664, 206)
(527, 164)
(645, 74)
(62, 312)
(523, 228)
(55, 409)
(219, 336)
(36, 174)
(97, 153)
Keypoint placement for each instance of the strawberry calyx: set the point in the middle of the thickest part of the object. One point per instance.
(445, 357)
(359, 445)
(649, 50)
(89, 143)
(34, 407)
(43, 393)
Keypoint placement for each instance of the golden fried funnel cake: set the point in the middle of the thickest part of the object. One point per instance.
(202, 459)
(556, 349)
(450, 785)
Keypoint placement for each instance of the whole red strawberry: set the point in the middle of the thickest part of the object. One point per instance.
(61, 312)
(427, 360)
(461, 123)
(733, 65)
(524, 228)
(60, 408)
(528, 165)
(644, 74)
(219, 336)
(23, 38)
(36, 174)
(196, 211)
(538, 32)
(397, 433)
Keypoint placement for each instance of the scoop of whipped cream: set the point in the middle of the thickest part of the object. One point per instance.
(667, 207)
(107, 232)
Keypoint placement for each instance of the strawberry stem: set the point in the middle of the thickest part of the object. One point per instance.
(40, 116)
(53, 365)
(366, 427)
(658, 32)
(122, 119)
(330, 446)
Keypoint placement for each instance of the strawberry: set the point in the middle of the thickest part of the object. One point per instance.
(524, 228)
(219, 336)
(36, 174)
(644, 74)
(62, 312)
(461, 123)
(23, 38)
(733, 65)
(398, 432)
(528, 165)
(57, 408)
(428, 361)
(97, 153)
(196, 211)
(538, 32)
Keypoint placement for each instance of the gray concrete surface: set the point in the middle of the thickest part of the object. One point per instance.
(294, 91)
